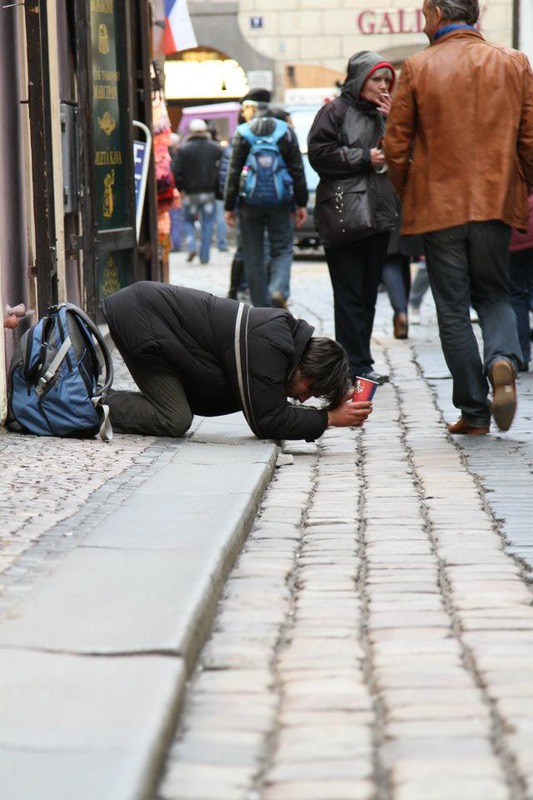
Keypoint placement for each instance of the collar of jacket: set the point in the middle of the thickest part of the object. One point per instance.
(366, 106)
(459, 26)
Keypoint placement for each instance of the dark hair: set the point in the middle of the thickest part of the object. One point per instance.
(325, 365)
(279, 113)
(467, 10)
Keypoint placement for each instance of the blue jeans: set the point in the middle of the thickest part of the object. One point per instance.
(176, 227)
(278, 223)
(521, 269)
(420, 286)
(469, 265)
(221, 227)
(199, 207)
(397, 279)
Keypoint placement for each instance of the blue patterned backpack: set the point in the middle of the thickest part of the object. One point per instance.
(54, 377)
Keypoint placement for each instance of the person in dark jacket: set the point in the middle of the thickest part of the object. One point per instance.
(190, 352)
(397, 274)
(521, 280)
(195, 167)
(276, 220)
(343, 147)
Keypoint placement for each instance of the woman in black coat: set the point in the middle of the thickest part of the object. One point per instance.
(344, 148)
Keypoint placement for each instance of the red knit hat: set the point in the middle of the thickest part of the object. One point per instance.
(383, 65)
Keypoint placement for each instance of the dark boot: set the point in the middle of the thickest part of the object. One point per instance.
(235, 279)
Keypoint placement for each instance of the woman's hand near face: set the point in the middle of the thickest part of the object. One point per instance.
(384, 104)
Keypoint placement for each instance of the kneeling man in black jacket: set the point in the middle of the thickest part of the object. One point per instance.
(190, 352)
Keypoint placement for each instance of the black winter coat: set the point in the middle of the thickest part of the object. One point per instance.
(289, 149)
(230, 357)
(196, 164)
(341, 137)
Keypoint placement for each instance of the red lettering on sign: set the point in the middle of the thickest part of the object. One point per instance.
(402, 20)
(365, 22)
(386, 24)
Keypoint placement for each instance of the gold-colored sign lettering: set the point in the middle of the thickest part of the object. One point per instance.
(106, 158)
(103, 6)
(105, 92)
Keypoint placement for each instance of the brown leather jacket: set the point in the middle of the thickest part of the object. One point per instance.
(459, 138)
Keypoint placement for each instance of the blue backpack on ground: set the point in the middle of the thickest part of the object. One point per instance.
(265, 179)
(54, 387)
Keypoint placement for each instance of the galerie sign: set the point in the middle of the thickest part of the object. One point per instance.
(398, 20)
(401, 20)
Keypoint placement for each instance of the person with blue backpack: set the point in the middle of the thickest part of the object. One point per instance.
(266, 187)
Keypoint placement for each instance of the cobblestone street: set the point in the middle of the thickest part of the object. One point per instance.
(373, 641)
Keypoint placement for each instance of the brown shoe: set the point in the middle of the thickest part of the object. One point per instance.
(462, 426)
(503, 406)
(401, 327)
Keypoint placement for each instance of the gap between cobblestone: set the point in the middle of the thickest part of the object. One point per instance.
(382, 777)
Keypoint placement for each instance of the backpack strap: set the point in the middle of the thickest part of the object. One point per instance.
(279, 131)
(53, 367)
(95, 330)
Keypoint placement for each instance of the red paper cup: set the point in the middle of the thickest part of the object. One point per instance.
(363, 389)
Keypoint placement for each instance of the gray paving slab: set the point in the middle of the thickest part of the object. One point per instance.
(105, 613)
(73, 726)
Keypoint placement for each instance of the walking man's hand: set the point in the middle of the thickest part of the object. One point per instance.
(229, 216)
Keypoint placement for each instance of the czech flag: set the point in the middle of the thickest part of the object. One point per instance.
(179, 33)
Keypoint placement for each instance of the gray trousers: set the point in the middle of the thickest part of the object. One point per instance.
(160, 408)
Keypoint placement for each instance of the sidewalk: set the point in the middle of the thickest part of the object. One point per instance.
(375, 636)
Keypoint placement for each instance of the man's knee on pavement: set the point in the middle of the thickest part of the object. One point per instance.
(177, 424)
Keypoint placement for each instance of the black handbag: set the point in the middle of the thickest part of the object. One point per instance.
(343, 210)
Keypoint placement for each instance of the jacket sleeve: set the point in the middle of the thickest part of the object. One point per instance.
(239, 152)
(177, 169)
(525, 131)
(327, 154)
(267, 411)
(400, 132)
(290, 150)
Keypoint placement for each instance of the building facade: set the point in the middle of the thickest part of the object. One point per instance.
(298, 44)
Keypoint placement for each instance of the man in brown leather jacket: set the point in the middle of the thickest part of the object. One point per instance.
(459, 146)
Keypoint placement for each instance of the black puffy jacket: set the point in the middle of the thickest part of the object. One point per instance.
(229, 356)
(341, 137)
(196, 164)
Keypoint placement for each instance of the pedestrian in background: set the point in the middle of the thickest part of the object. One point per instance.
(419, 287)
(221, 229)
(397, 275)
(195, 167)
(459, 147)
(355, 206)
(521, 270)
(276, 220)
